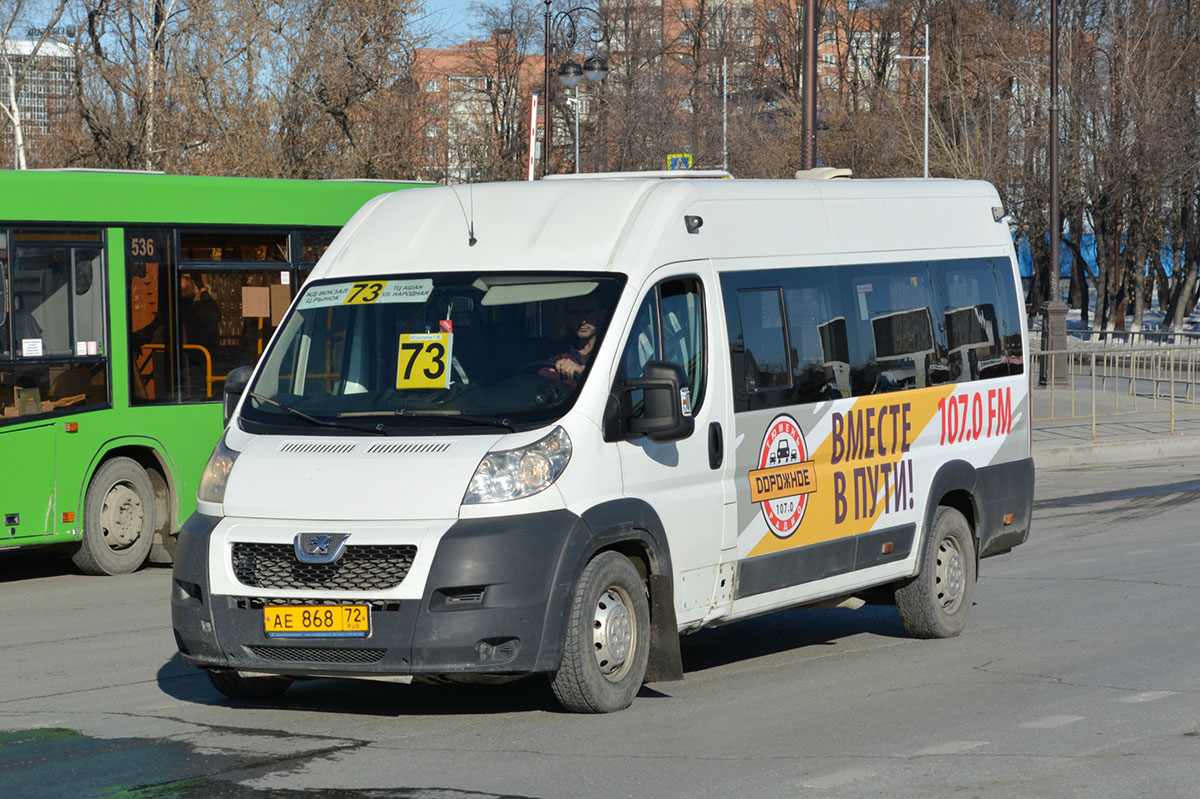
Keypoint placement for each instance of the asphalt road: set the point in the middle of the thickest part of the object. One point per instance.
(1077, 677)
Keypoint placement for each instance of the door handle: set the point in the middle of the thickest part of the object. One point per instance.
(716, 446)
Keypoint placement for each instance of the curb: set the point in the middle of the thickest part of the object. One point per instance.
(1094, 453)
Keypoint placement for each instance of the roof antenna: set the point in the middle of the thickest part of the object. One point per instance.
(470, 220)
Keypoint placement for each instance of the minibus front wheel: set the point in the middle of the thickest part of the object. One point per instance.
(607, 644)
(936, 603)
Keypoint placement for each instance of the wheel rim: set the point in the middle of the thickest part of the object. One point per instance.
(614, 633)
(951, 575)
(122, 516)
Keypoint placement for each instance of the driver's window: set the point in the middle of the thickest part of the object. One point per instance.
(669, 326)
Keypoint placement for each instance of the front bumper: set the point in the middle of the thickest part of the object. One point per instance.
(495, 602)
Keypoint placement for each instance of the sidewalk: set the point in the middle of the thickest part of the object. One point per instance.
(1126, 438)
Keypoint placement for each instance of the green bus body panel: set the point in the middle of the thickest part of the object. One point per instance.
(180, 438)
(46, 469)
(28, 455)
(132, 198)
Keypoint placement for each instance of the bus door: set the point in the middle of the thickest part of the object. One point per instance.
(27, 486)
(688, 482)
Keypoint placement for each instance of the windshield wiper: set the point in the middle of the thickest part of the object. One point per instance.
(452, 416)
(283, 406)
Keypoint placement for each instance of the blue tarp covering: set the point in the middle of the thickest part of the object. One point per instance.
(1025, 256)
(1087, 247)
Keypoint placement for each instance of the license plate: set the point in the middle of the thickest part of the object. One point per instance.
(317, 621)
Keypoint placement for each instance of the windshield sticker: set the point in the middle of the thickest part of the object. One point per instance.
(785, 476)
(366, 292)
(424, 360)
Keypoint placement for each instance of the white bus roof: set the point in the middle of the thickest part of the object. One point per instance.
(632, 224)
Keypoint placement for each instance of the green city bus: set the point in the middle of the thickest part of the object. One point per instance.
(125, 299)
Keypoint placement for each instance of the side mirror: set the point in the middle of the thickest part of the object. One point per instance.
(235, 384)
(666, 403)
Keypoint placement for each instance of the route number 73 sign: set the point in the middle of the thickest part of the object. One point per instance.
(424, 360)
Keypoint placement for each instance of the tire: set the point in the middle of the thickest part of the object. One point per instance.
(118, 519)
(936, 603)
(607, 644)
(236, 685)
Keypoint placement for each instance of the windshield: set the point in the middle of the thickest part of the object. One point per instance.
(450, 352)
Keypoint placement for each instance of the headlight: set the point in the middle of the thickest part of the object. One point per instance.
(216, 474)
(515, 473)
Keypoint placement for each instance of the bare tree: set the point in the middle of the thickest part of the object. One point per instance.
(18, 57)
(494, 76)
(332, 60)
(123, 78)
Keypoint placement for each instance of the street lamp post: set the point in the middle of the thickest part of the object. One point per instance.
(571, 73)
(808, 85)
(1054, 319)
(924, 58)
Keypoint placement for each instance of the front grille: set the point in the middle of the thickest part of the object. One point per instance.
(258, 603)
(361, 568)
(316, 654)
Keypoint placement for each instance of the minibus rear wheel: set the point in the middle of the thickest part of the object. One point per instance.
(236, 685)
(608, 638)
(936, 603)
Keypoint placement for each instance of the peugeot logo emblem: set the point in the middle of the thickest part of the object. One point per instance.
(320, 547)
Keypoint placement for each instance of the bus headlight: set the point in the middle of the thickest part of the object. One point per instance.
(515, 473)
(216, 474)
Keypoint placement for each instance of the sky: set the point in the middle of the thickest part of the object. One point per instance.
(452, 20)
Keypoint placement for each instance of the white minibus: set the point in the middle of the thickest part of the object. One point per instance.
(547, 427)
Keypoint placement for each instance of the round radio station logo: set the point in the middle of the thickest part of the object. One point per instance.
(785, 476)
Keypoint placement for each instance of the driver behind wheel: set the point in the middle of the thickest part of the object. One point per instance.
(583, 319)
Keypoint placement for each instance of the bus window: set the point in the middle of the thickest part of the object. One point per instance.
(968, 300)
(233, 294)
(313, 246)
(764, 340)
(221, 248)
(894, 330)
(227, 317)
(196, 317)
(152, 359)
(817, 331)
(5, 332)
(57, 300)
(1010, 316)
(51, 322)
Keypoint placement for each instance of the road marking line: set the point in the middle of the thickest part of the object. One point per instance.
(1051, 721)
(1147, 696)
(839, 778)
(950, 748)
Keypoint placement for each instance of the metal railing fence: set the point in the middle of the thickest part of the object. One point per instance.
(1116, 378)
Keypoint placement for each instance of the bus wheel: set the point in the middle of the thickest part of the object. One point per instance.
(236, 685)
(118, 519)
(936, 602)
(608, 638)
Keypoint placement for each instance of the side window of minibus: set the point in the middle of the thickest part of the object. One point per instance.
(760, 361)
(1010, 315)
(968, 303)
(817, 331)
(764, 340)
(669, 326)
(898, 343)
